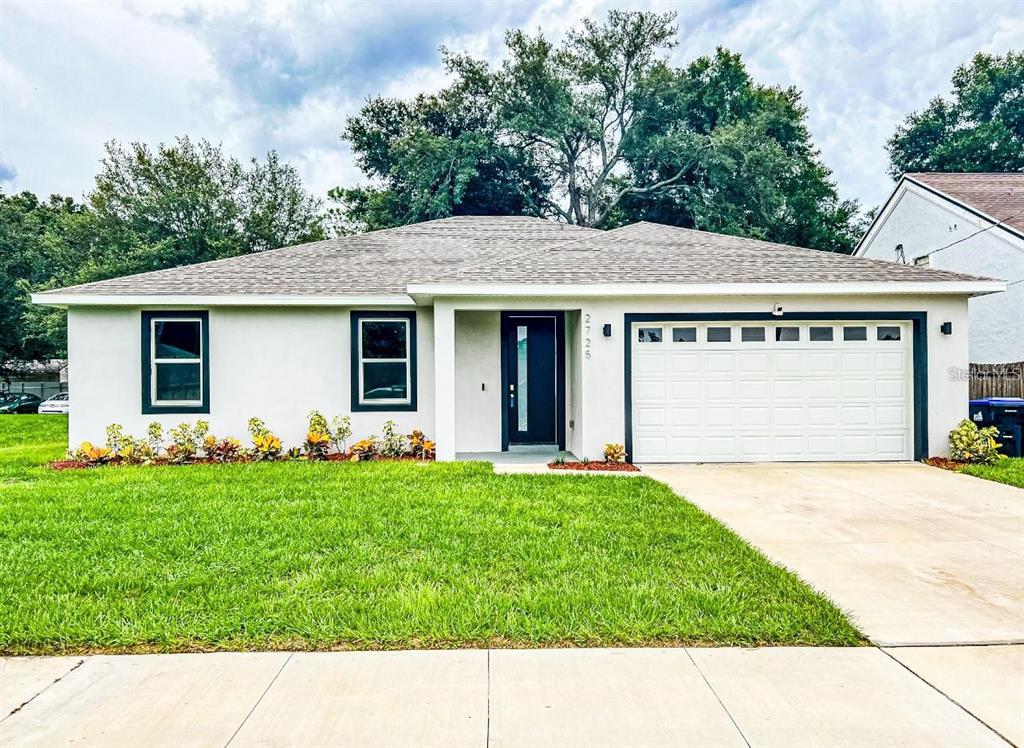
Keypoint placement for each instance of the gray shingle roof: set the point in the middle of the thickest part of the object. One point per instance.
(1000, 196)
(508, 250)
(654, 253)
(379, 262)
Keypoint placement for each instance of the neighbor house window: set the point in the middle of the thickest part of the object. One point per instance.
(383, 361)
(175, 362)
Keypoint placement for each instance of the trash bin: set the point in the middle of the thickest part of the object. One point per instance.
(1007, 415)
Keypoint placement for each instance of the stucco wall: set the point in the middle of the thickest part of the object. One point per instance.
(478, 381)
(275, 363)
(921, 225)
(280, 363)
(601, 376)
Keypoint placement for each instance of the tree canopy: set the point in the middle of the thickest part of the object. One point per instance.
(980, 128)
(600, 130)
(149, 209)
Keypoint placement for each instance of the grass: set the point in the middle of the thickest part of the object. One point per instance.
(371, 555)
(1009, 471)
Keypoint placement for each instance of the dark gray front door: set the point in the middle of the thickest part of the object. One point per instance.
(531, 388)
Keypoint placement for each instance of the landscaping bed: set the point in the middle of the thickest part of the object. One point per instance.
(610, 467)
(375, 555)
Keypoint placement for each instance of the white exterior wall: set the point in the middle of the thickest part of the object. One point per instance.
(601, 377)
(277, 363)
(922, 223)
(478, 362)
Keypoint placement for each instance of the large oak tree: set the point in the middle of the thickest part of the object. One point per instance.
(600, 130)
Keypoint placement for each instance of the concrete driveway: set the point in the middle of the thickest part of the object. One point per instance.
(917, 555)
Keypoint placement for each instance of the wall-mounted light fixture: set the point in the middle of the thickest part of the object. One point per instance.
(607, 330)
(777, 310)
(946, 328)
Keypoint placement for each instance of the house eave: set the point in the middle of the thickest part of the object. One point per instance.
(425, 292)
(170, 301)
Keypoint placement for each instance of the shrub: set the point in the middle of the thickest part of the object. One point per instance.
(341, 432)
(420, 446)
(295, 453)
(317, 423)
(92, 455)
(186, 440)
(614, 452)
(155, 438)
(392, 444)
(968, 443)
(126, 448)
(365, 449)
(223, 450)
(317, 445)
(266, 447)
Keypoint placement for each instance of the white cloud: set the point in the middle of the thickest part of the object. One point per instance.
(258, 76)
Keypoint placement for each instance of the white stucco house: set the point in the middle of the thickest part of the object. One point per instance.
(967, 223)
(490, 333)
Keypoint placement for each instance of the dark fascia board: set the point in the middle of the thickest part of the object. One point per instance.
(354, 372)
(919, 355)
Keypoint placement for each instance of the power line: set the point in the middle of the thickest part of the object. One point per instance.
(971, 236)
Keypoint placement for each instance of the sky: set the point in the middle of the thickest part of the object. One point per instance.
(261, 76)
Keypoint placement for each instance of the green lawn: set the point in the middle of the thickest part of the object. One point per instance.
(304, 555)
(1009, 471)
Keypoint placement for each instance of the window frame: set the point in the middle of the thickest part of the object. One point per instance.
(357, 404)
(150, 405)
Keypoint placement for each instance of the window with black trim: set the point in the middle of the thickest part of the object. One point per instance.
(383, 361)
(175, 362)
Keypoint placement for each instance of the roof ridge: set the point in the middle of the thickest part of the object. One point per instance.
(533, 250)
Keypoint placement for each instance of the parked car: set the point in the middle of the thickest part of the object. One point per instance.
(59, 403)
(21, 402)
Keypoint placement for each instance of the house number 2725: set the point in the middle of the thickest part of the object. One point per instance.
(586, 335)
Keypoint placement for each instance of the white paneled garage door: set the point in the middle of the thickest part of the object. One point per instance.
(754, 391)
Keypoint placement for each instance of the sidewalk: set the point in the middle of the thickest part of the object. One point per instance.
(577, 697)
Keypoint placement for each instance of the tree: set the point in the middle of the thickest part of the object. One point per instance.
(149, 210)
(981, 128)
(40, 241)
(599, 131)
(189, 202)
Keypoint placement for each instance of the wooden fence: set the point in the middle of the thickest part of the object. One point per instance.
(997, 380)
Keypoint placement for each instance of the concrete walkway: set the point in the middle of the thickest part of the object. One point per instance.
(584, 697)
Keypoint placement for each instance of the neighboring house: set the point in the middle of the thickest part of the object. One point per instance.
(489, 333)
(967, 223)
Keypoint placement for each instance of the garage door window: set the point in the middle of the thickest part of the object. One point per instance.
(787, 334)
(888, 333)
(684, 334)
(821, 334)
(649, 334)
(855, 333)
(752, 334)
(719, 334)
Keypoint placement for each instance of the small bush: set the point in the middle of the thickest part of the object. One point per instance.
(341, 432)
(365, 449)
(392, 444)
(186, 440)
(420, 446)
(91, 455)
(266, 448)
(223, 450)
(317, 445)
(968, 443)
(614, 452)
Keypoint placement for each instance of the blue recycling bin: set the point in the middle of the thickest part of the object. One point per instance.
(1007, 415)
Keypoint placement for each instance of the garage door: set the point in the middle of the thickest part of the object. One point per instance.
(750, 392)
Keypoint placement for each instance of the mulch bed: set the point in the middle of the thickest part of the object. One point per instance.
(163, 462)
(609, 467)
(945, 463)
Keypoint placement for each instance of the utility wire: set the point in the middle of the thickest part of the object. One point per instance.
(971, 236)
